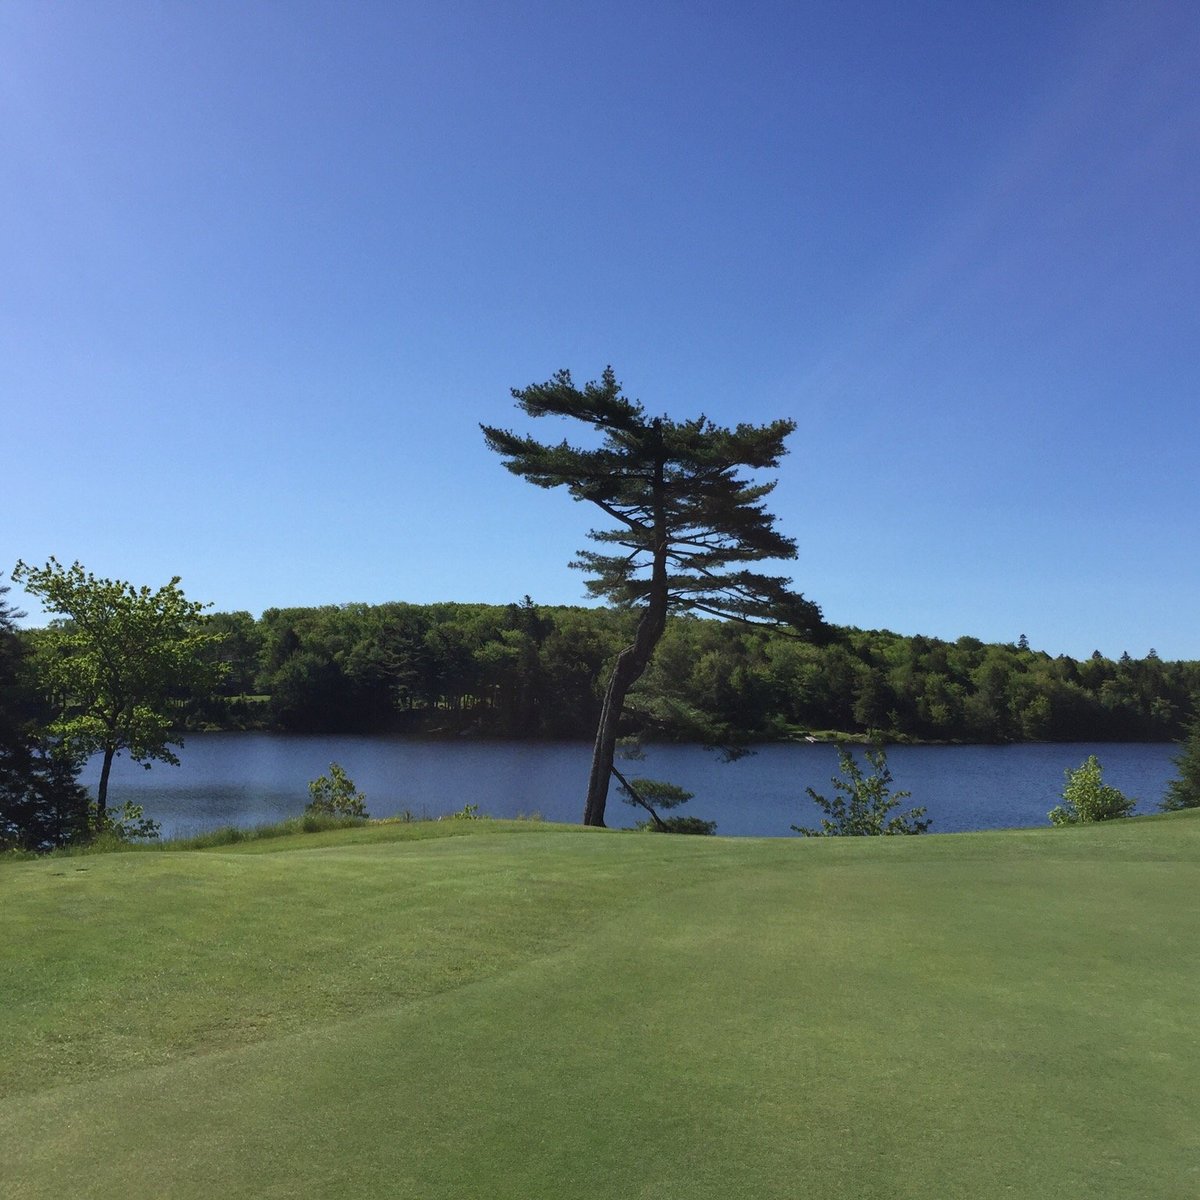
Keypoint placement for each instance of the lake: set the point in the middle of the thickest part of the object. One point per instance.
(252, 778)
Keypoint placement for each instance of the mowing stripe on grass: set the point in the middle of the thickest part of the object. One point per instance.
(966, 1016)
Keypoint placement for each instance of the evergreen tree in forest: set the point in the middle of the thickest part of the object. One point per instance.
(1184, 792)
(41, 803)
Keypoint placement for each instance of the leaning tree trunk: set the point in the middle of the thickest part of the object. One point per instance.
(102, 789)
(638, 798)
(630, 664)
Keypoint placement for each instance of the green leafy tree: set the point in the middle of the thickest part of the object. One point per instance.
(863, 803)
(683, 517)
(1184, 792)
(41, 802)
(128, 823)
(335, 795)
(119, 663)
(1086, 797)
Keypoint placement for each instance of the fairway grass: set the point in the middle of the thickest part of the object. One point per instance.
(525, 1011)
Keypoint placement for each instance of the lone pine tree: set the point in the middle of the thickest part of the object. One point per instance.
(683, 519)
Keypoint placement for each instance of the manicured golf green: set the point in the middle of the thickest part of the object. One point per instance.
(543, 1012)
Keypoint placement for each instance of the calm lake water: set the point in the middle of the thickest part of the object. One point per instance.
(251, 778)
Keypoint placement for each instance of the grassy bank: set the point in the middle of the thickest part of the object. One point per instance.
(527, 1011)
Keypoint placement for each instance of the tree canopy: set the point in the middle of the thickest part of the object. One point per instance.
(1184, 790)
(116, 662)
(531, 670)
(41, 804)
(684, 518)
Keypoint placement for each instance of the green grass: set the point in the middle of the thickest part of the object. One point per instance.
(494, 1009)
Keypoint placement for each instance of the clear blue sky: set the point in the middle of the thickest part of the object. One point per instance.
(264, 267)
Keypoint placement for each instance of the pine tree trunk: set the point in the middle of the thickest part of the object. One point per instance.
(630, 664)
(634, 659)
(624, 676)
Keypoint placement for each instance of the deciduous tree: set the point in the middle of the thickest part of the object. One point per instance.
(116, 662)
(335, 795)
(862, 802)
(1086, 797)
(683, 517)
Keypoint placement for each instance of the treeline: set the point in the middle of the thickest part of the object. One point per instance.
(524, 670)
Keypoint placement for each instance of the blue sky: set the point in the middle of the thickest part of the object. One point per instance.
(265, 267)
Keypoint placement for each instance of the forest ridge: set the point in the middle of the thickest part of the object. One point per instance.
(524, 670)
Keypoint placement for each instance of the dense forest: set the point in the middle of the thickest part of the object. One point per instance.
(523, 670)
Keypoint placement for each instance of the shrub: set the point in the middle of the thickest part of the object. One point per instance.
(865, 801)
(693, 825)
(128, 823)
(1087, 798)
(334, 795)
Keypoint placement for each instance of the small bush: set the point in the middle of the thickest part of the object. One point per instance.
(1087, 798)
(468, 812)
(694, 825)
(128, 823)
(334, 795)
(865, 803)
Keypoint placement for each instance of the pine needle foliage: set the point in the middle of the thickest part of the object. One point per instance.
(1184, 791)
(685, 519)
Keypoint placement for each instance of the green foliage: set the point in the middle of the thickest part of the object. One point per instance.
(335, 795)
(684, 519)
(1086, 797)
(526, 670)
(862, 803)
(42, 805)
(119, 664)
(673, 489)
(657, 793)
(1184, 791)
(128, 823)
(653, 794)
(468, 812)
(689, 825)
